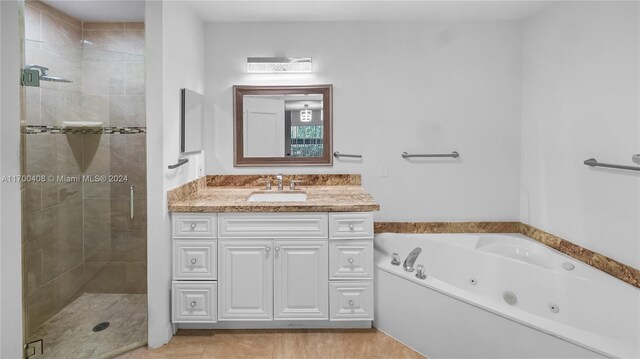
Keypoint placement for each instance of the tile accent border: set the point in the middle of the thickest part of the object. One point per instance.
(55, 130)
(608, 265)
(446, 227)
(307, 180)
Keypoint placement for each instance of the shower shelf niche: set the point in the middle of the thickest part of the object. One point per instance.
(82, 124)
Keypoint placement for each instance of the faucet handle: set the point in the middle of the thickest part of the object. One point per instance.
(267, 184)
(420, 272)
(292, 184)
(396, 259)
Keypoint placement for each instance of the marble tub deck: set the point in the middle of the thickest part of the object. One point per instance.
(69, 333)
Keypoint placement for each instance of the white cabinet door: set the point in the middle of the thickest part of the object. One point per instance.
(301, 287)
(245, 280)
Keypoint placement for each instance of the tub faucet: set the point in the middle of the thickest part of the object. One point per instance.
(279, 178)
(411, 259)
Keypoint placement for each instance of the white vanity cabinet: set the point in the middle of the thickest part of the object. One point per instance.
(274, 267)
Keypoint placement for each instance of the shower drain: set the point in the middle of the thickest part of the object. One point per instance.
(100, 327)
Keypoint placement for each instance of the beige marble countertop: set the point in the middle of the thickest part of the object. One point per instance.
(342, 198)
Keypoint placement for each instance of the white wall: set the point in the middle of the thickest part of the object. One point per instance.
(175, 59)
(10, 240)
(581, 100)
(417, 87)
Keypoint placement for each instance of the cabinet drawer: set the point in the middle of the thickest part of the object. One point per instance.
(194, 225)
(350, 225)
(195, 259)
(351, 259)
(272, 225)
(194, 302)
(351, 300)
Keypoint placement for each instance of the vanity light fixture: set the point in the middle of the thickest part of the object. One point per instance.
(306, 114)
(279, 64)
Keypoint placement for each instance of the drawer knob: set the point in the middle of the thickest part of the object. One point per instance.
(192, 304)
(192, 226)
(351, 227)
(267, 248)
(193, 261)
(351, 303)
(351, 260)
(277, 248)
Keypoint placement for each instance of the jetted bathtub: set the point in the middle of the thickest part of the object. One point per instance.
(560, 307)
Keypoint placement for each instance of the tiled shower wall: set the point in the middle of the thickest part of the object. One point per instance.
(78, 237)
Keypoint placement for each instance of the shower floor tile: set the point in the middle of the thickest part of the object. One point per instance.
(69, 333)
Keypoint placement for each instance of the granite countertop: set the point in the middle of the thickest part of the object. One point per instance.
(342, 198)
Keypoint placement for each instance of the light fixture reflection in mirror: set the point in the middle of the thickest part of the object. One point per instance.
(306, 115)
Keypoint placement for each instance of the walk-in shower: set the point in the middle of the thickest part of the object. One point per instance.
(84, 250)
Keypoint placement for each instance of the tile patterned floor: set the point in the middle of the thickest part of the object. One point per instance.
(307, 343)
(69, 334)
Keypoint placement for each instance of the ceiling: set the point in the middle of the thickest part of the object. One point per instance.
(310, 11)
(361, 11)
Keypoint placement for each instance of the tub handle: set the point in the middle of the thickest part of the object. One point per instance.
(420, 272)
(396, 259)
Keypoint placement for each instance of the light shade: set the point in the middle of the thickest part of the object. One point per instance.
(279, 64)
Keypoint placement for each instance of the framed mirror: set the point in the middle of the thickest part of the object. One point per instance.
(191, 124)
(282, 125)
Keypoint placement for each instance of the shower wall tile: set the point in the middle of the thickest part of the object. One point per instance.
(127, 111)
(33, 109)
(97, 230)
(96, 154)
(32, 23)
(59, 32)
(135, 75)
(58, 106)
(134, 25)
(103, 78)
(129, 246)
(103, 25)
(129, 41)
(96, 108)
(40, 6)
(120, 277)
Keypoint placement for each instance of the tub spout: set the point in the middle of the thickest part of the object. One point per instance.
(411, 259)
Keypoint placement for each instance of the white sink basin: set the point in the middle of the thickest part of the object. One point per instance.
(277, 197)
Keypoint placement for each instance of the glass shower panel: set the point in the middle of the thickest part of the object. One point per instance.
(84, 217)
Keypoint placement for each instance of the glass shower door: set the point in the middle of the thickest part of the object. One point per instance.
(84, 214)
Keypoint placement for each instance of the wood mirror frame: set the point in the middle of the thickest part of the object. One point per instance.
(239, 160)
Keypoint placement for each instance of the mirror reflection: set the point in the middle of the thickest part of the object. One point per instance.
(283, 126)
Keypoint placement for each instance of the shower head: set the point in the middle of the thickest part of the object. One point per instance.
(43, 74)
(53, 79)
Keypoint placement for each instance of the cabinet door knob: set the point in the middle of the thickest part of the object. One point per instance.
(192, 226)
(351, 227)
(351, 303)
(267, 248)
(351, 260)
(192, 304)
(277, 248)
(193, 261)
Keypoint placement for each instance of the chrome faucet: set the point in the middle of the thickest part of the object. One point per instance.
(411, 259)
(280, 186)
